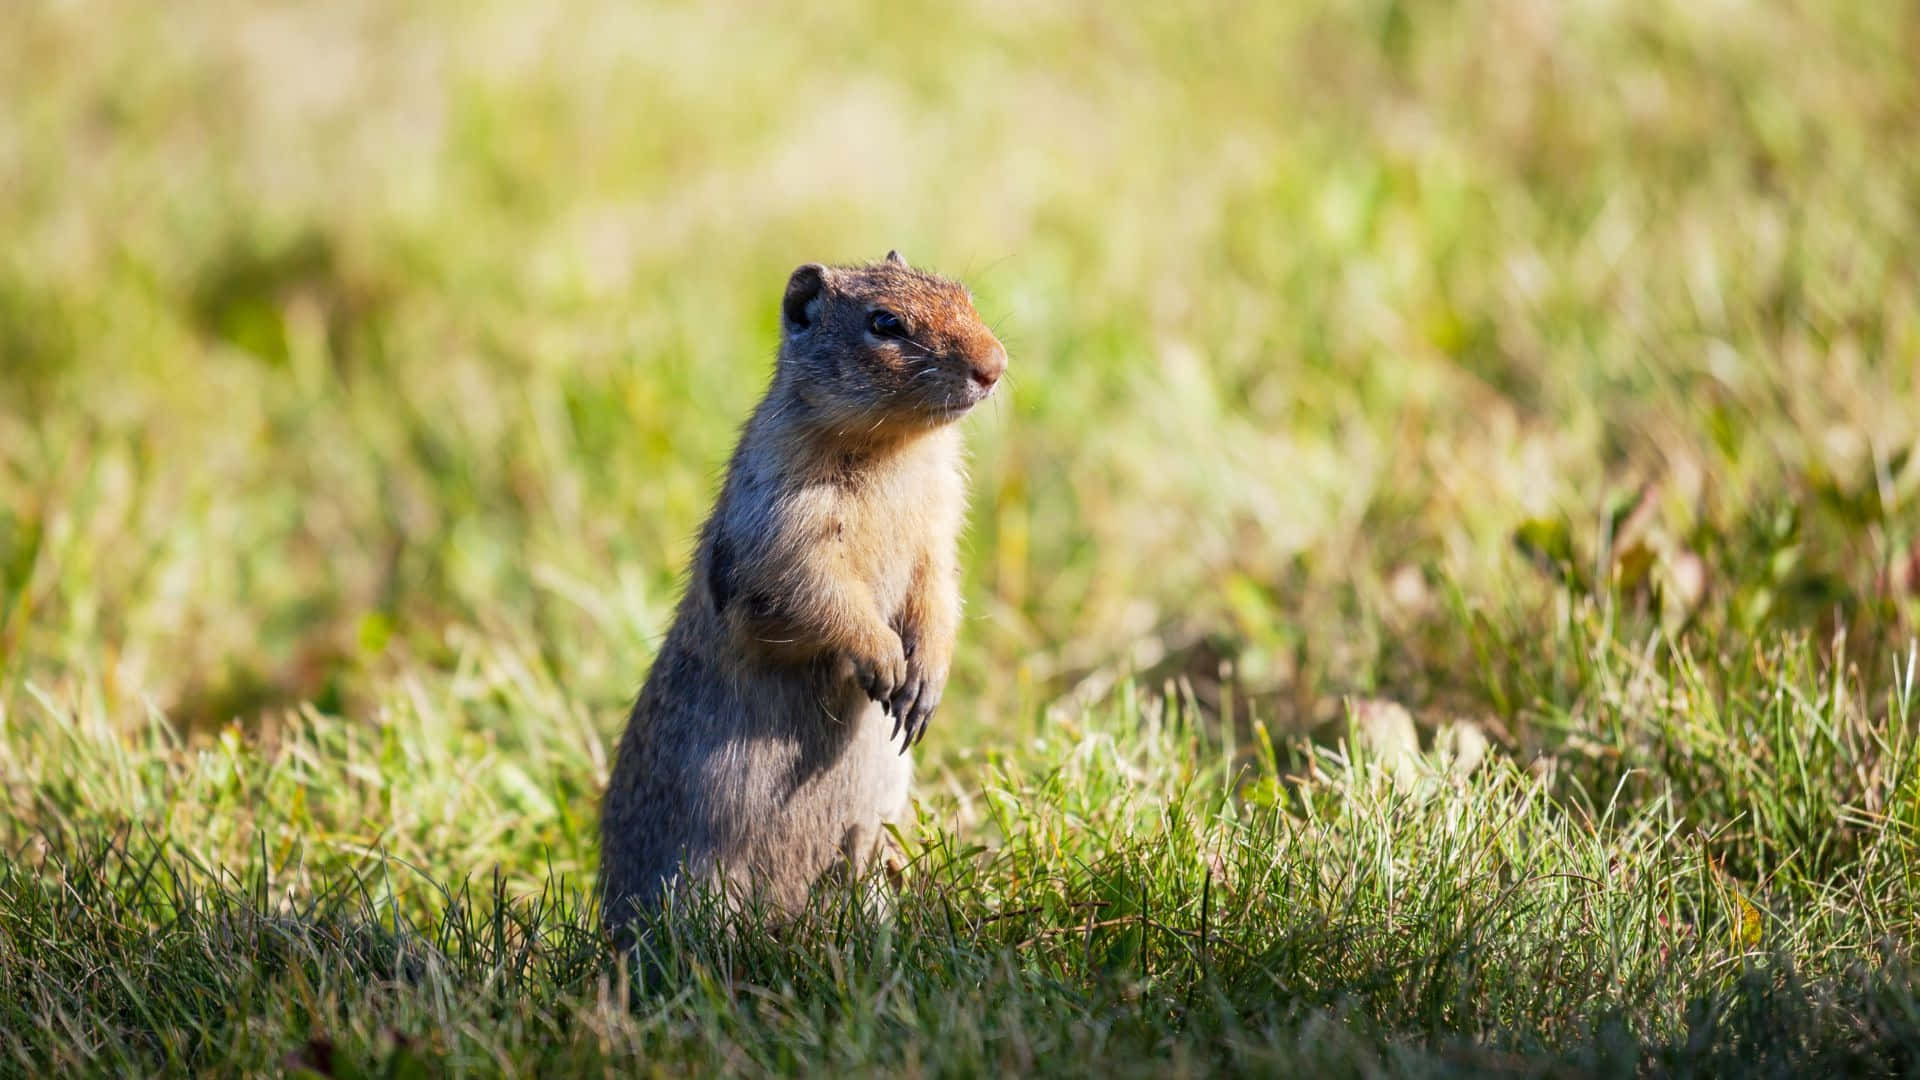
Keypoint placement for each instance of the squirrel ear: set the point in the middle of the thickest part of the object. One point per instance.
(804, 290)
(894, 258)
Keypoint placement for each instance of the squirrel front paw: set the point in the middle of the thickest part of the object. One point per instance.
(880, 670)
(917, 696)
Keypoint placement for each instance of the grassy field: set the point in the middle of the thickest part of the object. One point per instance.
(1549, 369)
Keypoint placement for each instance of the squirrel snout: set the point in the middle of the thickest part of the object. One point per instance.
(987, 370)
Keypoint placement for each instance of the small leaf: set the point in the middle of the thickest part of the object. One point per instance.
(1548, 544)
(1781, 564)
(1632, 565)
(1746, 922)
(1753, 605)
(1264, 793)
(374, 632)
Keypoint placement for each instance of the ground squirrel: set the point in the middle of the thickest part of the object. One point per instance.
(812, 643)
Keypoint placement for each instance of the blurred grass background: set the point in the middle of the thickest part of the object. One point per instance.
(330, 330)
(365, 371)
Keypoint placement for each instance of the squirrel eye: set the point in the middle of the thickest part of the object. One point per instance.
(886, 324)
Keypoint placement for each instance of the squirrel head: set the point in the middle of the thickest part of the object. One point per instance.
(885, 347)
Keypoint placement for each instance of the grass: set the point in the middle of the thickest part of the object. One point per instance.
(1547, 369)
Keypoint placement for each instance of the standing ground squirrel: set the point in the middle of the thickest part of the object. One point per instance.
(813, 640)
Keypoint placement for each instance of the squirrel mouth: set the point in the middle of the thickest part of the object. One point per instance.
(955, 401)
(973, 394)
(955, 407)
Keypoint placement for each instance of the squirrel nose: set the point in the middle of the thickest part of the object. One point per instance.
(987, 370)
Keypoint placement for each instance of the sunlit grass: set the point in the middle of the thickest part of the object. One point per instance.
(1549, 369)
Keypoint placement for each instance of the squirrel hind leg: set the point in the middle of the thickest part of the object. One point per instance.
(874, 863)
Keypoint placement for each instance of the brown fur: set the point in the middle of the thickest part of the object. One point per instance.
(812, 644)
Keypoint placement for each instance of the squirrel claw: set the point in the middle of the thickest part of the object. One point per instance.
(903, 700)
(918, 717)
